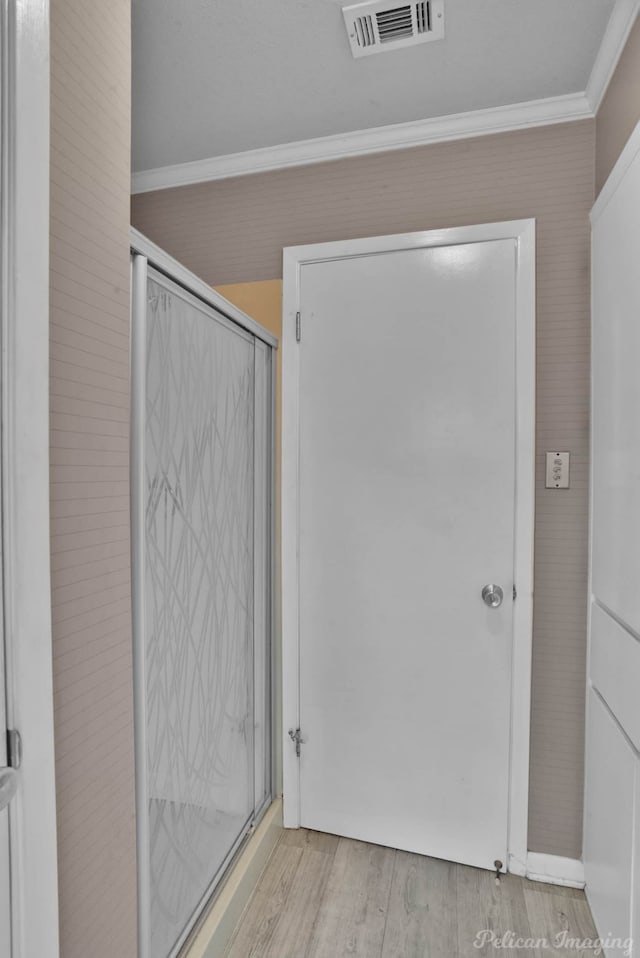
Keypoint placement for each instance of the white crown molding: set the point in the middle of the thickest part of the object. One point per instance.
(398, 136)
(615, 36)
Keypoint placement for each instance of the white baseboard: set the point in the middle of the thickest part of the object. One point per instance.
(517, 866)
(555, 870)
(212, 937)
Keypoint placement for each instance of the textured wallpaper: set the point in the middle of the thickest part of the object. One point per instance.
(90, 556)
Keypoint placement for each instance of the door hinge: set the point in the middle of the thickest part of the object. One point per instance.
(515, 592)
(296, 737)
(14, 748)
(298, 328)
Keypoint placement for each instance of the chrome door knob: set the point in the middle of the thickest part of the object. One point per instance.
(492, 595)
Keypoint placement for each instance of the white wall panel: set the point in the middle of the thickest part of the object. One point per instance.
(609, 820)
(612, 809)
(616, 401)
(615, 670)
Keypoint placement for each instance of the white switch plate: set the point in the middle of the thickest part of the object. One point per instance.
(557, 470)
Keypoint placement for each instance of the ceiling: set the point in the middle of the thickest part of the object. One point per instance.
(214, 77)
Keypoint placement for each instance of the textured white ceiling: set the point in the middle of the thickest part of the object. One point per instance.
(212, 77)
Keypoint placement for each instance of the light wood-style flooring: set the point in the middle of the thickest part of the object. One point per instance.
(326, 897)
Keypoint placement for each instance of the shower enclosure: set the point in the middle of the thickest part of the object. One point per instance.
(202, 427)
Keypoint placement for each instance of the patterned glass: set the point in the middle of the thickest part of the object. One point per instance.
(199, 595)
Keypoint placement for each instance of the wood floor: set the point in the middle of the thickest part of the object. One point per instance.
(327, 897)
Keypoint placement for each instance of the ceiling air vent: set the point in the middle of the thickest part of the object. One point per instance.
(386, 25)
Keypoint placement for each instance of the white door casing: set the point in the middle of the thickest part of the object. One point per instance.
(25, 472)
(362, 359)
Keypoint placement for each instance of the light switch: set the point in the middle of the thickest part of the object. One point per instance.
(557, 470)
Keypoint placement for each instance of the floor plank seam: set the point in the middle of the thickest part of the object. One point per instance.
(386, 917)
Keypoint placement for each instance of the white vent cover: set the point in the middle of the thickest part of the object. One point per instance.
(380, 25)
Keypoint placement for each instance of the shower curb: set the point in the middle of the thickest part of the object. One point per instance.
(214, 933)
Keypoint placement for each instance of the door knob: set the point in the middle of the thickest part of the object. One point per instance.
(8, 786)
(492, 595)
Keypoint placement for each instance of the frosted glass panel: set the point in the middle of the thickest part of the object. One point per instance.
(199, 597)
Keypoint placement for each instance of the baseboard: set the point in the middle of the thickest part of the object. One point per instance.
(555, 870)
(212, 937)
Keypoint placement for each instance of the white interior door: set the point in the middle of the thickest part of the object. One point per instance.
(407, 498)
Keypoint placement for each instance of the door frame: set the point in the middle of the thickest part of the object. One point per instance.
(25, 471)
(294, 258)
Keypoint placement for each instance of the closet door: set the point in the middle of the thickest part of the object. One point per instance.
(200, 589)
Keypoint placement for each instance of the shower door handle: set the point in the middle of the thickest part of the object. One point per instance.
(492, 595)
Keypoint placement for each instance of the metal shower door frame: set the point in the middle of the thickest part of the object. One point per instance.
(146, 256)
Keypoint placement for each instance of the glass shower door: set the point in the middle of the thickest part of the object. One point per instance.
(203, 654)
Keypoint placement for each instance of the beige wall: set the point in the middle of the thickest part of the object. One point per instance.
(620, 109)
(90, 120)
(233, 231)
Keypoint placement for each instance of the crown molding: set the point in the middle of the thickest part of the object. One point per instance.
(622, 18)
(398, 136)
